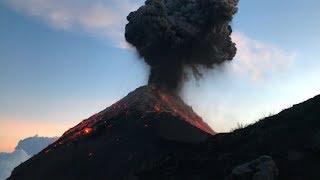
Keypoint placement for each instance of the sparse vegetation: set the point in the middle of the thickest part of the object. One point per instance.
(238, 127)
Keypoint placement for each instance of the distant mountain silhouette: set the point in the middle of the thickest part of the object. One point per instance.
(151, 134)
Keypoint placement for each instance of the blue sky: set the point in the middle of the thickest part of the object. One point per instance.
(60, 62)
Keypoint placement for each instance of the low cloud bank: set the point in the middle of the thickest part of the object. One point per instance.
(33, 145)
(25, 149)
(8, 161)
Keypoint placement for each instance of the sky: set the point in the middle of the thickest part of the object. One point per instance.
(63, 61)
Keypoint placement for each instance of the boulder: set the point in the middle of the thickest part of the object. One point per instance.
(262, 168)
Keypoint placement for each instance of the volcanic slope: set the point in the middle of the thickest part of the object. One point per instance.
(120, 141)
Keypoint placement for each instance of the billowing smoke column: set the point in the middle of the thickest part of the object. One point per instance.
(173, 34)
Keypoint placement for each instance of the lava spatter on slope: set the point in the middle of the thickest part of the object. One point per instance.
(151, 104)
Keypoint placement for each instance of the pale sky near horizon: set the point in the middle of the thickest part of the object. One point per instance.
(63, 61)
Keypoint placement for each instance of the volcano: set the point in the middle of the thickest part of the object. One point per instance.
(130, 135)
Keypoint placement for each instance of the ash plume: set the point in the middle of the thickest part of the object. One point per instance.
(173, 34)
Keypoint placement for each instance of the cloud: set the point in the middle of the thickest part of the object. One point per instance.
(33, 145)
(8, 161)
(107, 19)
(25, 149)
(239, 91)
(103, 18)
(257, 59)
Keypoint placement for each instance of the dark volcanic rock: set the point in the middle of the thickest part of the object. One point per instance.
(152, 135)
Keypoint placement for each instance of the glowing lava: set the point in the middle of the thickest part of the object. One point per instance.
(174, 104)
(87, 130)
(144, 100)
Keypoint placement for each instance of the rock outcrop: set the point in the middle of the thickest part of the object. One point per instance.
(263, 168)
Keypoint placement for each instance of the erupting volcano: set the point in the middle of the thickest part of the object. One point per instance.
(151, 134)
(135, 133)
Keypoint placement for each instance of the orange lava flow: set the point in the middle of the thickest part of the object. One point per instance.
(189, 116)
(87, 130)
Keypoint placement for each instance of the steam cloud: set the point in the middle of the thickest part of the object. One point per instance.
(8, 161)
(173, 34)
(24, 150)
(33, 145)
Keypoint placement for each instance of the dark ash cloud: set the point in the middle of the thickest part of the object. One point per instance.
(173, 34)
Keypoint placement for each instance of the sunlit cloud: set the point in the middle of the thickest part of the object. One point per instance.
(257, 59)
(102, 18)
